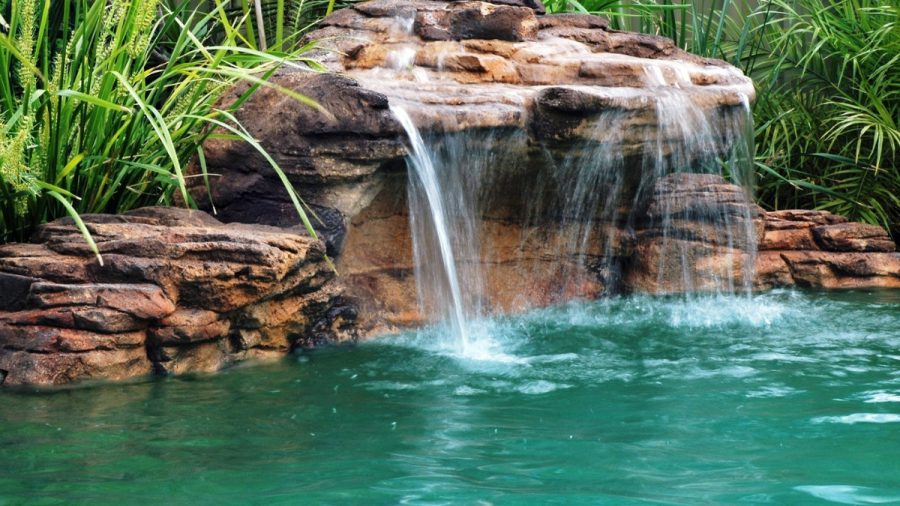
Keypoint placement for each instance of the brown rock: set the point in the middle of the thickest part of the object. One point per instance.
(25, 368)
(147, 302)
(481, 20)
(788, 239)
(172, 284)
(771, 271)
(853, 237)
(804, 216)
(368, 56)
(189, 326)
(574, 21)
(824, 269)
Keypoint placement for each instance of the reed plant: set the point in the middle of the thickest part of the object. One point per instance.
(280, 24)
(103, 104)
(828, 115)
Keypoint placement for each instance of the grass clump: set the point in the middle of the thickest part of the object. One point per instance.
(104, 103)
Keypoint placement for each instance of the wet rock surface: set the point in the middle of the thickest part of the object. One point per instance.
(178, 291)
(681, 246)
(698, 233)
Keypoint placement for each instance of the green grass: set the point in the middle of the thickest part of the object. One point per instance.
(104, 105)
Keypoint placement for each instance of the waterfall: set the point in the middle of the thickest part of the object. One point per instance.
(428, 210)
(586, 206)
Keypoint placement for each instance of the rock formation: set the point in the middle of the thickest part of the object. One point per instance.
(482, 71)
(817, 249)
(178, 291)
(525, 100)
(757, 249)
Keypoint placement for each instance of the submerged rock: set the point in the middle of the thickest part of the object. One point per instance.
(178, 291)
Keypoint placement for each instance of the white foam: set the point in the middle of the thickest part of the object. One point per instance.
(846, 494)
(541, 387)
(389, 385)
(772, 392)
(859, 418)
(466, 390)
(877, 397)
(781, 357)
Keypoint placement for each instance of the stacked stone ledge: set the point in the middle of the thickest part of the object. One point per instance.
(818, 249)
(178, 291)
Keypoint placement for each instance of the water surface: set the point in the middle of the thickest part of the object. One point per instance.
(784, 398)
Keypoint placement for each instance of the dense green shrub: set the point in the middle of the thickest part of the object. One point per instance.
(103, 104)
(828, 115)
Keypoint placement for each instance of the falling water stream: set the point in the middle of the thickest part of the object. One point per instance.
(587, 193)
(427, 179)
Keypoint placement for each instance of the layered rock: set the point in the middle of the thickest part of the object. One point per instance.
(817, 249)
(698, 233)
(480, 70)
(177, 291)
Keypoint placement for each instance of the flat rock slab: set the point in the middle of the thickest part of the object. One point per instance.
(172, 280)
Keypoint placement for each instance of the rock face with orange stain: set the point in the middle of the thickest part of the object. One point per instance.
(178, 291)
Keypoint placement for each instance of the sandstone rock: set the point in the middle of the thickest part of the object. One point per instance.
(482, 20)
(173, 287)
(574, 21)
(855, 255)
(788, 239)
(147, 302)
(796, 217)
(771, 271)
(822, 269)
(698, 233)
(853, 237)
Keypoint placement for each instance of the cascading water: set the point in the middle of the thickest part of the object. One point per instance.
(688, 205)
(427, 198)
(590, 202)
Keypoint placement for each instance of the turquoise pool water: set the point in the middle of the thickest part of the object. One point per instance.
(787, 398)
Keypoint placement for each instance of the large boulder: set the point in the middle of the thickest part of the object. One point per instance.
(178, 291)
(699, 233)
